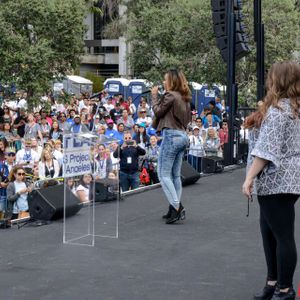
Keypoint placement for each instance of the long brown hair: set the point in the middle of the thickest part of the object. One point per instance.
(283, 81)
(13, 172)
(176, 81)
(254, 120)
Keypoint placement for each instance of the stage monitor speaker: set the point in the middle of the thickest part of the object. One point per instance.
(48, 203)
(106, 190)
(188, 174)
(212, 164)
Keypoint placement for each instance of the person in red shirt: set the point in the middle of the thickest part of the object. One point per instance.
(223, 134)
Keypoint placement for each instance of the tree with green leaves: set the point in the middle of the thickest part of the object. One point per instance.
(180, 34)
(40, 40)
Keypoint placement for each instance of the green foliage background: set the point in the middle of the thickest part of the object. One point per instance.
(178, 33)
(40, 40)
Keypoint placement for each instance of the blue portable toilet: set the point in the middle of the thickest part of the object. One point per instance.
(116, 86)
(138, 88)
(195, 89)
(206, 95)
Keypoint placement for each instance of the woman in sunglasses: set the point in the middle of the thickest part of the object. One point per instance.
(17, 193)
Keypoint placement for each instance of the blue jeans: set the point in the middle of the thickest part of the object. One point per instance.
(169, 164)
(129, 181)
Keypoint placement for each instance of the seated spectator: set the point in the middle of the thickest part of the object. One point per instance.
(132, 107)
(10, 158)
(202, 130)
(48, 167)
(120, 130)
(35, 146)
(115, 160)
(17, 193)
(109, 105)
(71, 185)
(55, 132)
(196, 149)
(4, 172)
(215, 110)
(19, 123)
(223, 134)
(151, 158)
(110, 132)
(57, 152)
(77, 126)
(212, 142)
(11, 136)
(32, 129)
(103, 164)
(193, 121)
(45, 129)
(143, 106)
(7, 116)
(129, 168)
(126, 120)
(209, 122)
(116, 113)
(141, 138)
(62, 121)
(26, 156)
(101, 130)
(143, 118)
(84, 188)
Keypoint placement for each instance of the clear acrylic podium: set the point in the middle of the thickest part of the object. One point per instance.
(91, 181)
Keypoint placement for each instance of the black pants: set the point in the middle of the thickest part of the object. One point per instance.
(277, 220)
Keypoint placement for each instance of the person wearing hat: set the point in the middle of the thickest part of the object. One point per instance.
(143, 118)
(196, 151)
(78, 127)
(142, 138)
(110, 131)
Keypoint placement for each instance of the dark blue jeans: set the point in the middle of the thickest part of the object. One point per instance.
(129, 181)
(169, 164)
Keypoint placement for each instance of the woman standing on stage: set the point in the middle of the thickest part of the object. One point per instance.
(173, 113)
(276, 172)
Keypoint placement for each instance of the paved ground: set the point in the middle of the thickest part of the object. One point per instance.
(215, 254)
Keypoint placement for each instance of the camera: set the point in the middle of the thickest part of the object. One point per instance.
(130, 143)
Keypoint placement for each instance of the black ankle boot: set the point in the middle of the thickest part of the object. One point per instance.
(182, 212)
(168, 214)
(175, 216)
(289, 295)
(266, 294)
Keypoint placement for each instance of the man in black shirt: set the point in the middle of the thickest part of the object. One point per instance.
(20, 121)
(129, 165)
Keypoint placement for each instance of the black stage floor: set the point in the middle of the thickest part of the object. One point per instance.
(215, 254)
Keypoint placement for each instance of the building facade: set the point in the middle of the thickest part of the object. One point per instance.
(104, 57)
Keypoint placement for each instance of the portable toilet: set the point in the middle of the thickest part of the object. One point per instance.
(117, 86)
(138, 88)
(195, 89)
(77, 85)
(207, 94)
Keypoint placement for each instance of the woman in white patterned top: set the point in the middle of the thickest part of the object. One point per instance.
(276, 171)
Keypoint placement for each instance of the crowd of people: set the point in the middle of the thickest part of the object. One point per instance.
(31, 141)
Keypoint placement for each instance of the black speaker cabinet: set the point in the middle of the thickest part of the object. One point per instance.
(106, 190)
(48, 203)
(188, 174)
(212, 164)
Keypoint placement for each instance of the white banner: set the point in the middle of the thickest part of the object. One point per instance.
(76, 160)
